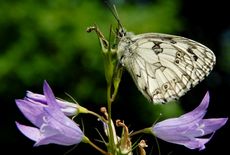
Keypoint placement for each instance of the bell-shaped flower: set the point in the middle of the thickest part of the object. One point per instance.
(38, 101)
(52, 125)
(189, 128)
(68, 108)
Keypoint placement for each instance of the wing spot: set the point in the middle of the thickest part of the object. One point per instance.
(195, 57)
(170, 39)
(173, 41)
(189, 50)
(156, 92)
(179, 54)
(165, 86)
(157, 48)
(177, 61)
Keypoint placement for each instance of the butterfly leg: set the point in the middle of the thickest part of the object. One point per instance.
(103, 41)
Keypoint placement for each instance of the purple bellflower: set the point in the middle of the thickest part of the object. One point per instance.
(189, 128)
(68, 108)
(39, 101)
(52, 125)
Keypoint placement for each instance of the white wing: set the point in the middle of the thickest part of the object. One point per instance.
(164, 67)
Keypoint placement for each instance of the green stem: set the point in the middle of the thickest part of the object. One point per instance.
(111, 133)
(158, 146)
(114, 94)
(100, 117)
(86, 140)
(145, 130)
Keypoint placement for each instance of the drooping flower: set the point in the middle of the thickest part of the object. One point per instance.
(68, 108)
(189, 128)
(52, 125)
(38, 101)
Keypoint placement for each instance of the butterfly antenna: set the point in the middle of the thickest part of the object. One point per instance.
(113, 10)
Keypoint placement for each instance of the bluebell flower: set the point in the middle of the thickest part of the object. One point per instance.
(38, 101)
(51, 124)
(189, 129)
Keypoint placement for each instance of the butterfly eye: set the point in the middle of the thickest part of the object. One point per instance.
(121, 33)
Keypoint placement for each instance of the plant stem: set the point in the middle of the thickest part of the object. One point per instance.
(100, 117)
(96, 147)
(111, 133)
(114, 95)
(145, 130)
(158, 146)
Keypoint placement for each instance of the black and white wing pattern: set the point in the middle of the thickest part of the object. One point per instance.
(164, 67)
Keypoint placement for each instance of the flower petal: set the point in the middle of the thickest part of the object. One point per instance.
(198, 112)
(53, 110)
(62, 123)
(56, 139)
(187, 120)
(36, 97)
(197, 143)
(57, 118)
(30, 132)
(206, 126)
(211, 125)
(32, 111)
(187, 141)
(54, 134)
(68, 108)
(51, 100)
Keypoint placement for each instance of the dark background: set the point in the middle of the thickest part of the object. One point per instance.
(47, 40)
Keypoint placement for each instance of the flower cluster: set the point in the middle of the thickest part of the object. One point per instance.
(50, 116)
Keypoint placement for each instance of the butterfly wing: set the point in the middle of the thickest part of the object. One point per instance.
(164, 67)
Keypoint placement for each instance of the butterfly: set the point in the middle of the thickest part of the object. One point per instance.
(163, 66)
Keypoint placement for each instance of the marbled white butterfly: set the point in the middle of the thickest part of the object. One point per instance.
(164, 67)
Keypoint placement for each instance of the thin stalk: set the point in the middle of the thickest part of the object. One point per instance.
(158, 146)
(112, 144)
(97, 148)
(100, 117)
(145, 130)
(114, 95)
(111, 138)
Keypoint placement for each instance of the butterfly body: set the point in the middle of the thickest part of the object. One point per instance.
(164, 67)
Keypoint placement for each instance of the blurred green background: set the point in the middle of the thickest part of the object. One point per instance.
(47, 39)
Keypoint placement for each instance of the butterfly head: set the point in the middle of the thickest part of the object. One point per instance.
(121, 32)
